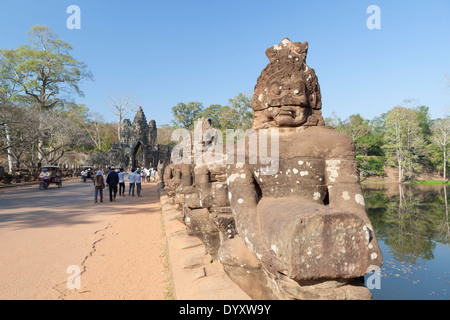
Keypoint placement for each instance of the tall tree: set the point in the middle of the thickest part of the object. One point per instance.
(333, 121)
(23, 129)
(121, 106)
(367, 134)
(358, 129)
(215, 113)
(93, 127)
(165, 135)
(186, 114)
(441, 138)
(404, 141)
(425, 122)
(240, 114)
(8, 94)
(45, 70)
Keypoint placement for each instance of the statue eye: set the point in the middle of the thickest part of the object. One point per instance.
(275, 88)
(300, 90)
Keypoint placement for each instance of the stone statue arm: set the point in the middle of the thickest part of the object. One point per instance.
(342, 178)
(300, 239)
(345, 192)
(243, 198)
(344, 187)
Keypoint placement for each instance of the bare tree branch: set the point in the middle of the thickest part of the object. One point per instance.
(121, 106)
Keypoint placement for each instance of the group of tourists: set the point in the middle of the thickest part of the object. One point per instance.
(115, 179)
(87, 174)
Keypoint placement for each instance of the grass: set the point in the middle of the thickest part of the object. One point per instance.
(421, 182)
(429, 182)
(373, 181)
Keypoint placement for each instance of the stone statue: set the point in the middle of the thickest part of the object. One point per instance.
(303, 231)
(196, 184)
(203, 187)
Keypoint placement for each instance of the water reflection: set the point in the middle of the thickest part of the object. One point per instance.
(412, 225)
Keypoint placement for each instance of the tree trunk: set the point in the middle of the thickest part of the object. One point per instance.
(119, 131)
(445, 165)
(10, 158)
(41, 143)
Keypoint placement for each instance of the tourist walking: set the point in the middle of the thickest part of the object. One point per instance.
(122, 174)
(99, 185)
(142, 174)
(153, 174)
(112, 180)
(148, 174)
(138, 182)
(132, 180)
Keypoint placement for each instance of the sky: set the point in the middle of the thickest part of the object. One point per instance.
(170, 51)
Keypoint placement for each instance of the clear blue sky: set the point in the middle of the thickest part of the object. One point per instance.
(165, 52)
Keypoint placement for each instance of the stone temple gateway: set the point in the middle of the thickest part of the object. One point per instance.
(301, 232)
(138, 146)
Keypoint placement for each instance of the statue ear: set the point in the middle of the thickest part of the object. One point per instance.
(305, 47)
(315, 98)
(271, 53)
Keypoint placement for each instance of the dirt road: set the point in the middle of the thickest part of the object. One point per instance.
(46, 236)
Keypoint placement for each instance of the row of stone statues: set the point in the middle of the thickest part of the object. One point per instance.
(292, 225)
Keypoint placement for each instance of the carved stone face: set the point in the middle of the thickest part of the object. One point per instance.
(287, 116)
(287, 93)
(204, 135)
(287, 103)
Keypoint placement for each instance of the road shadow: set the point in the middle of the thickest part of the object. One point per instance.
(69, 205)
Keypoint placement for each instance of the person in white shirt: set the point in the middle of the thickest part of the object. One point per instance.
(122, 174)
(132, 179)
(44, 174)
(142, 174)
(138, 182)
(153, 174)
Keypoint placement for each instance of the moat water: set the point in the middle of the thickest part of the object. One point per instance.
(411, 223)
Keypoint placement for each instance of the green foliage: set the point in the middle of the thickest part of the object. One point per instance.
(237, 115)
(371, 166)
(9, 89)
(425, 122)
(186, 114)
(164, 135)
(406, 138)
(404, 141)
(215, 112)
(440, 139)
(37, 80)
(367, 135)
(45, 69)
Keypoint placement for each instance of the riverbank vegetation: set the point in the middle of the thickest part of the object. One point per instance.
(404, 138)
